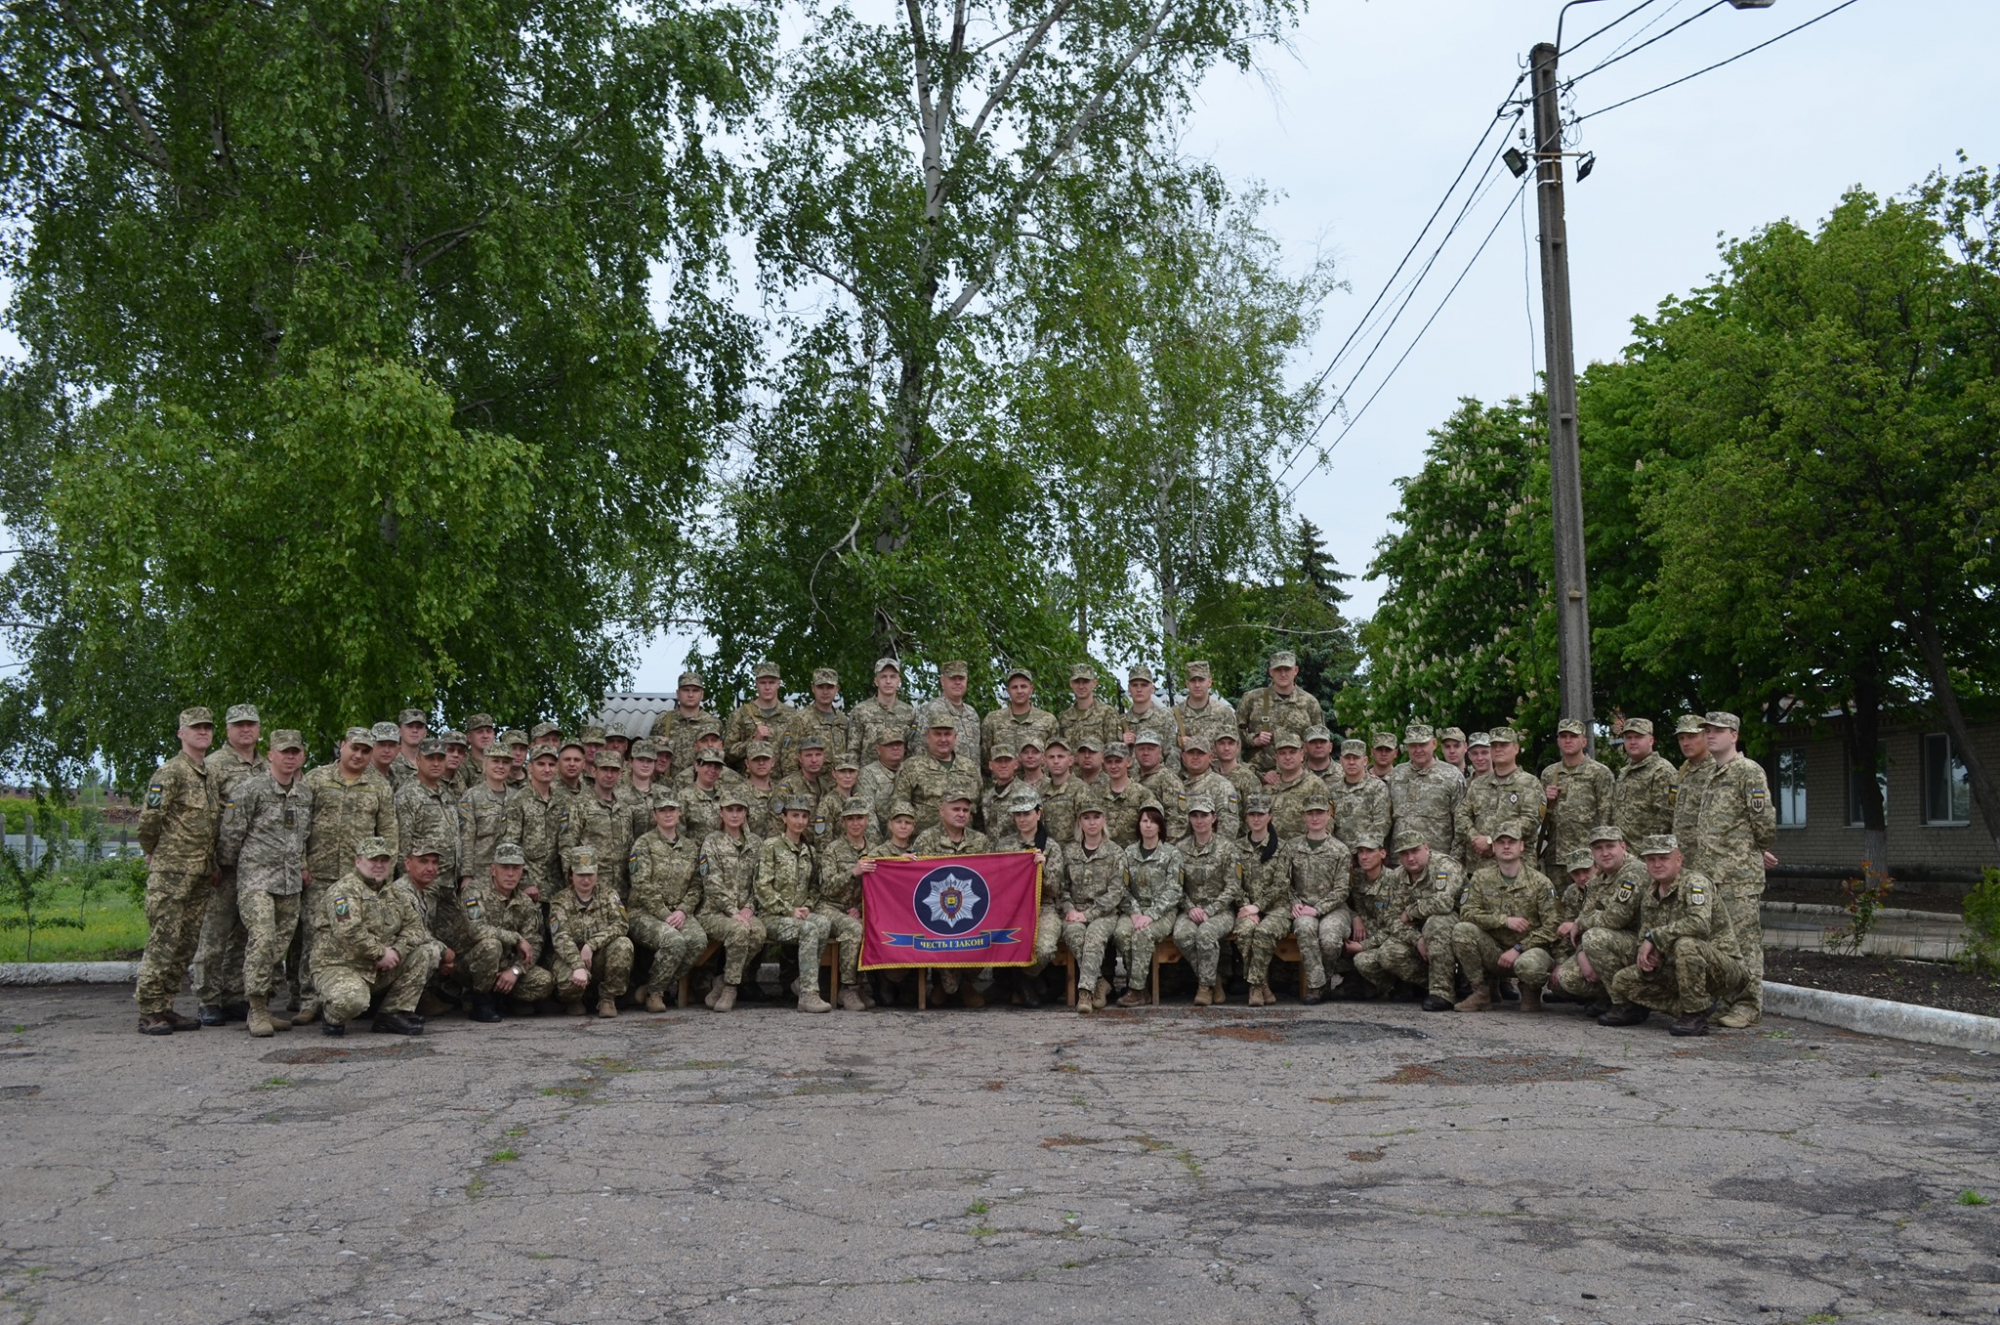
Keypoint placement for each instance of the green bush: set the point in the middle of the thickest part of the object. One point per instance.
(1982, 926)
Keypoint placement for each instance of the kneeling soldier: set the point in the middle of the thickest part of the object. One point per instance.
(1417, 947)
(1687, 959)
(1506, 919)
(1603, 950)
(587, 930)
(664, 882)
(370, 939)
(507, 939)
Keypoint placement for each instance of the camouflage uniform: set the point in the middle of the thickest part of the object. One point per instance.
(177, 833)
(219, 956)
(262, 842)
(663, 877)
(992, 812)
(358, 919)
(500, 924)
(1222, 793)
(535, 825)
(1492, 800)
(446, 924)
(605, 825)
(482, 817)
(877, 786)
(701, 809)
(598, 924)
(1265, 710)
(1054, 887)
(788, 879)
(1427, 800)
(1246, 781)
(1689, 788)
(1360, 808)
(1431, 901)
(344, 812)
(933, 842)
(1267, 885)
(1213, 719)
(1096, 881)
(1121, 810)
(1737, 825)
(425, 814)
(1153, 888)
(1374, 902)
(1155, 719)
(765, 818)
(1610, 948)
(868, 721)
(1289, 801)
(1583, 804)
(1003, 726)
(1171, 793)
(1059, 808)
(1100, 723)
(924, 781)
(741, 729)
(1642, 801)
(1482, 934)
(964, 717)
(728, 870)
(679, 731)
(1389, 952)
(833, 726)
(1212, 879)
(1320, 877)
(840, 892)
(1698, 963)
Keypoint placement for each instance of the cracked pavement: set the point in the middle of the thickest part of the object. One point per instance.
(1348, 1162)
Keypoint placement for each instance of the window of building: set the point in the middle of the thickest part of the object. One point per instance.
(1947, 790)
(1791, 786)
(1857, 784)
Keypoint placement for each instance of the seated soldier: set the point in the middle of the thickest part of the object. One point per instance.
(588, 934)
(501, 961)
(786, 887)
(1417, 946)
(1321, 863)
(839, 895)
(900, 818)
(1094, 869)
(1371, 896)
(1603, 949)
(663, 898)
(1687, 960)
(832, 806)
(1265, 915)
(1153, 889)
(370, 940)
(1506, 920)
(728, 870)
(1024, 810)
(1579, 869)
(1212, 873)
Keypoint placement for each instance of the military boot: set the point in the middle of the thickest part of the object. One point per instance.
(607, 1006)
(484, 1008)
(1692, 1023)
(259, 1020)
(850, 1001)
(1480, 999)
(655, 1001)
(1202, 997)
(725, 999)
(1531, 998)
(397, 1023)
(810, 1001)
(211, 1014)
(1624, 1014)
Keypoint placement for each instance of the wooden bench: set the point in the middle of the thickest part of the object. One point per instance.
(1168, 951)
(829, 959)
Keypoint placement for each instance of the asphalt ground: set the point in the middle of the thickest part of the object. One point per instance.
(1347, 1162)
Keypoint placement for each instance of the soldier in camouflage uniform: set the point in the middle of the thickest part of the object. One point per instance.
(350, 801)
(1319, 755)
(1212, 876)
(588, 938)
(953, 835)
(1153, 890)
(1020, 719)
(728, 870)
(1360, 803)
(262, 847)
(369, 940)
(838, 899)
(877, 783)
(1145, 714)
(764, 718)
(1203, 714)
(1291, 788)
(827, 813)
(1156, 774)
(663, 900)
(1003, 767)
(427, 811)
(1478, 756)
(1088, 717)
(1094, 869)
(952, 680)
(1391, 947)
(1056, 797)
(387, 753)
(1424, 794)
(786, 887)
(1269, 712)
(1736, 830)
(1599, 950)
(1507, 918)
(1451, 750)
(1199, 778)
(501, 961)
(534, 822)
(677, 727)
(940, 767)
(881, 714)
(1265, 916)
(809, 778)
(1578, 791)
(1382, 755)
(701, 796)
(1373, 899)
(447, 928)
(481, 734)
(1247, 781)
(411, 730)
(1687, 959)
(218, 957)
(823, 718)
(1025, 832)
(482, 811)
(1419, 948)
(1121, 797)
(1695, 771)
(1321, 919)
(1642, 801)
(1507, 794)
(760, 785)
(602, 820)
(177, 833)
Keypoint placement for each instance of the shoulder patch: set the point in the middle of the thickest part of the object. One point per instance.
(340, 906)
(1758, 796)
(1697, 894)
(155, 794)
(1626, 889)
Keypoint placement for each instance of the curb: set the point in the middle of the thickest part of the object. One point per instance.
(1841, 912)
(68, 973)
(1879, 1016)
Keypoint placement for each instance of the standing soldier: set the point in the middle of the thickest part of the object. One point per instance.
(823, 718)
(993, 814)
(1270, 711)
(1424, 794)
(881, 713)
(507, 927)
(940, 767)
(1737, 829)
(1055, 799)
(427, 811)
(1226, 748)
(218, 958)
(1291, 788)
(1021, 719)
(1264, 917)
(1382, 755)
(1121, 797)
(601, 820)
(1145, 714)
(1506, 921)
(1156, 774)
(1360, 803)
(1451, 749)
(1507, 793)
(953, 678)
(1696, 769)
(1199, 779)
(412, 727)
(534, 822)
(588, 936)
(1321, 919)
(1479, 757)
(1088, 717)
(368, 940)
(678, 726)
(456, 747)
(762, 719)
(351, 801)
(877, 783)
(1202, 714)
(262, 846)
(1212, 871)
(1319, 754)
(663, 903)
(1578, 791)
(480, 734)
(1642, 801)
(701, 797)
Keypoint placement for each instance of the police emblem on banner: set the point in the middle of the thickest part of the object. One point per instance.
(951, 901)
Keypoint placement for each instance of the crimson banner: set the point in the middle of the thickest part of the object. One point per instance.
(951, 910)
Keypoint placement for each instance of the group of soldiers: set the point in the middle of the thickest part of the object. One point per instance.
(507, 869)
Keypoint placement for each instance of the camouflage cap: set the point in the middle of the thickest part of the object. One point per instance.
(386, 731)
(665, 798)
(856, 807)
(1316, 805)
(198, 716)
(431, 745)
(1089, 802)
(1139, 672)
(242, 713)
(514, 736)
(888, 664)
(1687, 724)
(892, 736)
(609, 759)
(1417, 733)
(428, 846)
(643, 748)
(1453, 734)
(1659, 844)
(474, 721)
(825, 676)
(959, 789)
(731, 796)
(1570, 727)
(1510, 829)
(1506, 734)
(1082, 672)
(803, 804)
(1287, 741)
(1478, 739)
(509, 853)
(1228, 734)
(1408, 839)
(939, 718)
(1054, 741)
(581, 860)
(847, 764)
(1021, 672)
(1200, 805)
(543, 729)
(1000, 752)
(1643, 726)
(1256, 803)
(1354, 746)
(546, 750)
(813, 741)
(689, 679)
(1284, 658)
(373, 848)
(592, 735)
(664, 754)
(708, 756)
(1024, 801)
(1726, 721)
(1117, 750)
(1384, 741)
(1318, 734)
(286, 739)
(902, 810)
(1090, 743)
(500, 750)
(1579, 860)
(758, 750)
(617, 734)
(764, 669)
(954, 667)
(1606, 833)
(570, 743)
(1194, 744)
(1201, 669)
(1147, 737)
(452, 736)
(1367, 841)
(1030, 741)
(408, 716)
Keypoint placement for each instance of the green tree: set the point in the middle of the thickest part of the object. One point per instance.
(1241, 625)
(344, 385)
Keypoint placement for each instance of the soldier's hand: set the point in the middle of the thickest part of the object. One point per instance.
(763, 732)
(505, 984)
(534, 893)
(745, 916)
(1359, 930)
(1567, 929)
(1074, 918)
(1423, 950)
(854, 912)
(1583, 964)
(1140, 922)
(1649, 956)
(864, 867)
(1508, 958)
(585, 955)
(676, 919)
(1246, 912)
(1770, 860)
(1482, 844)
(1301, 911)
(580, 976)
(1260, 740)
(527, 953)
(1519, 924)
(801, 912)
(1550, 793)
(1352, 946)
(305, 876)
(450, 958)
(1198, 914)
(1271, 779)
(389, 960)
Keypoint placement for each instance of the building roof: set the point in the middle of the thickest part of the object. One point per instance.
(632, 711)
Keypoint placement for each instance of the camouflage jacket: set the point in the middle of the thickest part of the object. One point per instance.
(1212, 875)
(663, 877)
(510, 918)
(591, 820)
(1689, 788)
(575, 924)
(1153, 882)
(177, 827)
(839, 886)
(427, 816)
(1095, 880)
(924, 781)
(701, 809)
(1227, 799)
(1374, 902)
(358, 918)
(1583, 804)
(1642, 802)
(680, 731)
(535, 825)
(1360, 808)
(1157, 719)
(482, 817)
(741, 729)
(1267, 875)
(1209, 721)
(1121, 810)
(446, 921)
(787, 875)
(993, 813)
(1688, 911)
(1492, 800)
(1491, 897)
(933, 842)
(877, 786)
(1427, 801)
(1003, 726)
(1435, 891)
(869, 720)
(834, 727)
(1171, 793)
(728, 870)
(1059, 808)
(1321, 873)
(263, 835)
(1100, 723)
(1265, 710)
(1738, 824)
(343, 813)
(227, 771)
(1289, 801)
(963, 716)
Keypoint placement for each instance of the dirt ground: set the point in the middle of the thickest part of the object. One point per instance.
(1933, 984)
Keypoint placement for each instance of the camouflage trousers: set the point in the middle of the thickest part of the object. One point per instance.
(1321, 939)
(846, 933)
(1609, 950)
(1137, 946)
(1257, 940)
(489, 955)
(346, 990)
(1048, 934)
(1202, 944)
(269, 922)
(304, 986)
(810, 935)
(1745, 903)
(176, 901)
(610, 970)
(218, 958)
(740, 942)
(1086, 942)
(1478, 955)
(675, 951)
(1695, 974)
(1396, 956)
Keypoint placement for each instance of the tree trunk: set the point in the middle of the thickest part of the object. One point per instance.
(1924, 630)
(1864, 728)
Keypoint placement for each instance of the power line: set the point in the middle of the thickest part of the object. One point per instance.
(1717, 65)
(1607, 62)
(1585, 41)
(1527, 287)
(1648, 25)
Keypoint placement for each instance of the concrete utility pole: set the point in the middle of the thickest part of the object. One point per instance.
(1566, 505)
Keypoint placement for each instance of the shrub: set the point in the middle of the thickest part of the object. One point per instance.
(1865, 898)
(1982, 927)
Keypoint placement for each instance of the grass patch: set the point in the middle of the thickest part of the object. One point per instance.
(274, 1083)
(111, 926)
(977, 1208)
(503, 1156)
(476, 1186)
(1971, 1197)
